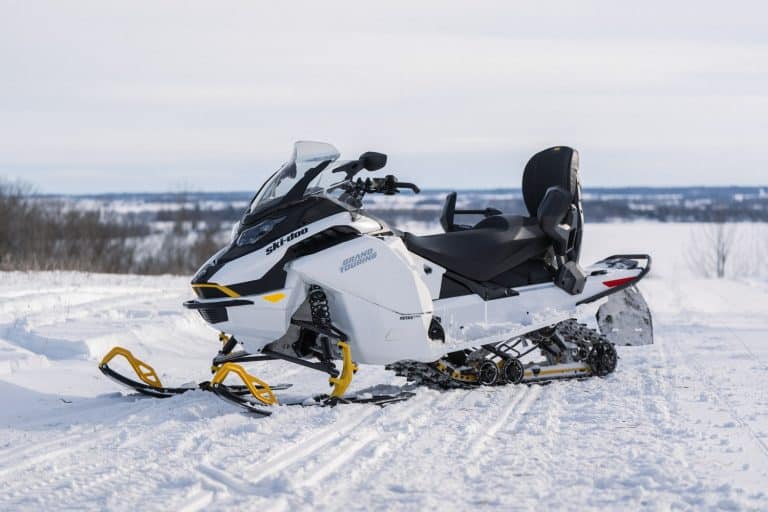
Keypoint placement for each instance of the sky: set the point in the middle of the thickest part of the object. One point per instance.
(101, 96)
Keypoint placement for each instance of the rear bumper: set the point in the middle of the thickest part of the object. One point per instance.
(629, 261)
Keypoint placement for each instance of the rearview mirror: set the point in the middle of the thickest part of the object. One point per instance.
(373, 161)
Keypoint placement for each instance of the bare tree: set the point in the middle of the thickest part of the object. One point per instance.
(42, 234)
(194, 233)
(712, 245)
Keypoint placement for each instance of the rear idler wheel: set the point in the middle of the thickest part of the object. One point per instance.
(513, 371)
(602, 359)
(488, 374)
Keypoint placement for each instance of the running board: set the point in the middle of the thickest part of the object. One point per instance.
(537, 373)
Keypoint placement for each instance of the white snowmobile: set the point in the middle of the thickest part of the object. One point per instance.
(311, 278)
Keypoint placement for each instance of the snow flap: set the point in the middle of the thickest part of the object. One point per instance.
(626, 319)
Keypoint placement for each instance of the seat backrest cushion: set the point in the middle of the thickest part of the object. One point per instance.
(447, 215)
(553, 167)
(553, 209)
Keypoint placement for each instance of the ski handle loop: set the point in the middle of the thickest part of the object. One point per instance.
(341, 383)
(260, 391)
(145, 372)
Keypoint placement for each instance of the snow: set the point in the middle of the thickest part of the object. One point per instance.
(682, 424)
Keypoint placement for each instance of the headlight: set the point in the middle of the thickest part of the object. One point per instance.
(252, 235)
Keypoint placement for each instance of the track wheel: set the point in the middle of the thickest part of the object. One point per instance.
(513, 371)
(488, 374)
(602, 359)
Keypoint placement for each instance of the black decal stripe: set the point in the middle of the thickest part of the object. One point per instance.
(297, 215)
(274, 279)
(210, 293)
(193, 304)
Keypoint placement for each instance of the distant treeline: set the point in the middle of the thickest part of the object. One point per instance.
(597, 210)
(669, 204)
(47, 234)
(176, 233)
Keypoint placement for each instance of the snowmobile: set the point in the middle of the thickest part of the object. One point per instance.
(312, 278)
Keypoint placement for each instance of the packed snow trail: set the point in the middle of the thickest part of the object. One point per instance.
(682, 424)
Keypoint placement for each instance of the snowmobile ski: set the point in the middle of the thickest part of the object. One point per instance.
(235, 394)
(151, 385)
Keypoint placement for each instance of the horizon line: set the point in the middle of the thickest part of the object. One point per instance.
(433, 190)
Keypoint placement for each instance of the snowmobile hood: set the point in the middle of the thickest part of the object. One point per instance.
(311, 186)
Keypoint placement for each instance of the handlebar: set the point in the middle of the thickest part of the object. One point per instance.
(388, 185)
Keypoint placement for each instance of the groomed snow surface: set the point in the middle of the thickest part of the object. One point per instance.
(682, 424)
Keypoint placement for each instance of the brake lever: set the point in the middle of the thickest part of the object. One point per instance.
(388, 185)
(412, 186)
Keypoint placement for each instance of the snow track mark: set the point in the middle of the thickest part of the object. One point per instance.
(519, 406)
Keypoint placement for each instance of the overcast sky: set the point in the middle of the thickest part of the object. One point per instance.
(163, 95)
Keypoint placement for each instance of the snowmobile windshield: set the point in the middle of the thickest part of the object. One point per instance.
(312, 171)
(329, 183)
(307, 172)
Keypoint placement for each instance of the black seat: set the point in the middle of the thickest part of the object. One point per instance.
(552, 194)
(500, 243)
(493, 246)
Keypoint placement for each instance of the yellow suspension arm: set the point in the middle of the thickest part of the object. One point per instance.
(258, 388)
(342, 382)
(145, 372)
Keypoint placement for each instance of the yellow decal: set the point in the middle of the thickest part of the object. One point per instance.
(274, 297)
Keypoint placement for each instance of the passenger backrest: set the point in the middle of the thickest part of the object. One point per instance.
(447, 215)
(551, 192)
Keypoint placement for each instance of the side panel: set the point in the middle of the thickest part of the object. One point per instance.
(376, 296)
(377, 270)
(430, 273)
(378, 335)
